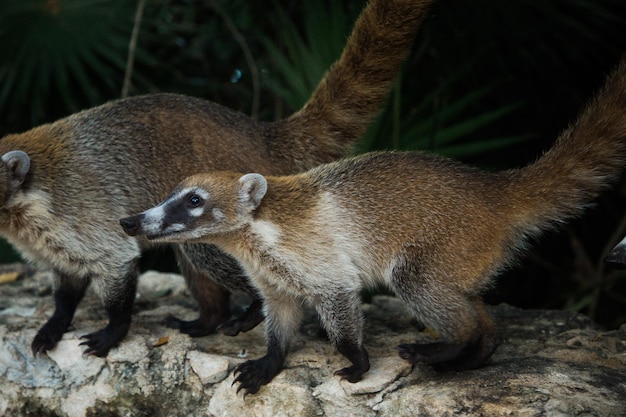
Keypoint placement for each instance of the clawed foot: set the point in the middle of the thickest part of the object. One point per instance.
(251, 375)
(248, 321)
(234, 327)
(193, 328)
(449, 357)
(351, 374)
(429, 352)
(47, 337)
(196, 328)
(359, 358)
(100, 342)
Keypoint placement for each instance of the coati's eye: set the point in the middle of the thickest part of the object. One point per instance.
(194, 200)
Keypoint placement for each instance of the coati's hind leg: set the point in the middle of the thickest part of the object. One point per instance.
(210, 275)
(463, 353)
(212, 299)
(468, 337)
(67, 295)
(118, 294)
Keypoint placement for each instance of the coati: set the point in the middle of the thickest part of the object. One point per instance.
(433, 230)
(63, 186)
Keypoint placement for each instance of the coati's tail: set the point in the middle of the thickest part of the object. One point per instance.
(586, 158)
(354, 89)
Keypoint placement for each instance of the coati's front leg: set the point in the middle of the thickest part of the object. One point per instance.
(213, 301)
(210, 275)
(340, 314)
(69, 291)
(118, 295)
(251, 375)
(283, 316)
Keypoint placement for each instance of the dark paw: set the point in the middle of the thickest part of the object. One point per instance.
(449, 357)
(429, 352)
(359, 358)
(408, 352)
(100, 342)
(231, 327)
(473, 356)
(251, 375)
(193, 328)
(236, 326)
(248, 321)
(351, 373)
(462, 363)
(47, 338)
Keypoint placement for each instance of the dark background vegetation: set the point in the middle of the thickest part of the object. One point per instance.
(489, 82)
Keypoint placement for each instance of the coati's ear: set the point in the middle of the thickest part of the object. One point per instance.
(18, 165)
(252, 189)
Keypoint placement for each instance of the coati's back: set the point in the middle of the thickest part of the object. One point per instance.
(451, 211)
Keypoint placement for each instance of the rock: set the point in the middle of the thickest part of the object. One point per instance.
(209, 368)
(550, 363)
(76, 367)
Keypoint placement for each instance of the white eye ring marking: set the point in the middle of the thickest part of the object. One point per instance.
(196, 212)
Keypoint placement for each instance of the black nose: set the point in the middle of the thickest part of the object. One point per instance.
(130, 225)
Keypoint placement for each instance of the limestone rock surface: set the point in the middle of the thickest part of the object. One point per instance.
(552, 363)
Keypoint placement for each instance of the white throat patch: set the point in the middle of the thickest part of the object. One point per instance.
(267, 231)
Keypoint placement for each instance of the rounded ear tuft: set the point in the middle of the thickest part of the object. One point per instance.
(18, 165)
(252, 189)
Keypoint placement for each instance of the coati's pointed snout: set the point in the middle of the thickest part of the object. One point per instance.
(130, 225)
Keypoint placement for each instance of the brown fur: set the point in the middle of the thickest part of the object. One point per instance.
(433, 230)
(96, 166)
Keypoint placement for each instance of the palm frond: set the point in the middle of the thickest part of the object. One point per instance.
(72, 49)
(302, 56)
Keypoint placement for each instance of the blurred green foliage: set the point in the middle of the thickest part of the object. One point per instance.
(59, 56)
(489, 82)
